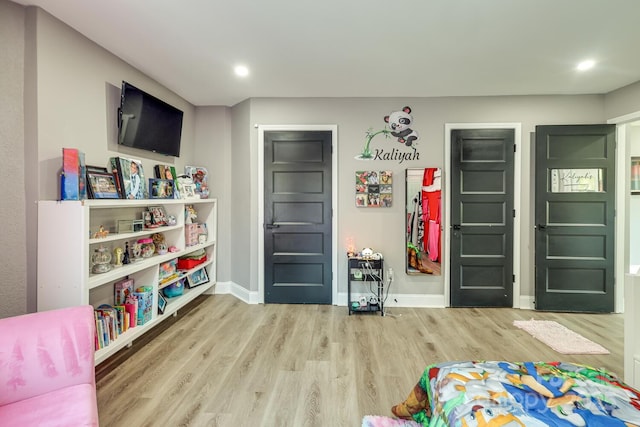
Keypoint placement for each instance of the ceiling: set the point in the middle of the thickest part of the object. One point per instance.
(365, 48)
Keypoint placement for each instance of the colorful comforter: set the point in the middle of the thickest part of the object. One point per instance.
(557, 394)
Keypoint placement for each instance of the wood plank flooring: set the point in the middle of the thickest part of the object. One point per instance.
(222, 362)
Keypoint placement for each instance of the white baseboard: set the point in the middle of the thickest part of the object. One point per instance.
(237, 291)
(393, 300)
(527, 302)
(402, 300)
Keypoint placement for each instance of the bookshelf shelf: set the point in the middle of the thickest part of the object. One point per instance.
(66, 243)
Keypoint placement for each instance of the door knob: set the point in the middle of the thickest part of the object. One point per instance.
(269, 226)
(456, 226)
(541, 227)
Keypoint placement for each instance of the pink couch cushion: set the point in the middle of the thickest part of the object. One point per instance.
(73, 406)
(46, 351)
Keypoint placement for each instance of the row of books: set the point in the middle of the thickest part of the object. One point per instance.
(133, 307)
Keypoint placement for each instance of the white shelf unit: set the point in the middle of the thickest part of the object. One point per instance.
(631, 330)
(66, 243)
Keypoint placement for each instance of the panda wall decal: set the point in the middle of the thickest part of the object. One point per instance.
(400, 123)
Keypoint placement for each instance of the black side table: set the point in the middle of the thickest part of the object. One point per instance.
(364, 273)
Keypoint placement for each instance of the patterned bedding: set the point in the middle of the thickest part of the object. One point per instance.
(557, 394)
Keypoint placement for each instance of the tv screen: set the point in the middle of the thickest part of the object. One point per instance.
(148, 123)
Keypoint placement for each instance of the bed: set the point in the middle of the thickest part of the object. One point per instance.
(500, 393)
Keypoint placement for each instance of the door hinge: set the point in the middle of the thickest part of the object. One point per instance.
(513, 277)
(514, 148)
(514, 213)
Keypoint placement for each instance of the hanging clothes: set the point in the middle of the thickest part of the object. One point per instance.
(431, 202)
(415, 226)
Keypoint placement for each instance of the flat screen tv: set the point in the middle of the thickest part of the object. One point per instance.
(148, 123)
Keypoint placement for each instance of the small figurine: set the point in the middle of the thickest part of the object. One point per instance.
(191, 216)
(125, 256)
(101, 233)
(159, 243)
(117, 254)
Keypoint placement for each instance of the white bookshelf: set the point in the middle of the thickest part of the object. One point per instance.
(66, 243)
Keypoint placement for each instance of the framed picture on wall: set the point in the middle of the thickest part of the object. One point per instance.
(374, 189)
(635, 175)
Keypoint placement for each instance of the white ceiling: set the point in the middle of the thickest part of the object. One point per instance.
(365, 48)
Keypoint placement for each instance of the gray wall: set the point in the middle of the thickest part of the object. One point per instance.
(382, 229)
(242, 245)
(213, 146)
(13, 268)
(623, 101)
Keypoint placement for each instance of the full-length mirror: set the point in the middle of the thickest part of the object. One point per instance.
(423, 231)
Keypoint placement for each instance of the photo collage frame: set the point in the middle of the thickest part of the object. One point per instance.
(374, 189)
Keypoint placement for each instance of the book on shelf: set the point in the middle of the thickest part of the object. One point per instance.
(122, 289)
(131, 305)
(123, 318)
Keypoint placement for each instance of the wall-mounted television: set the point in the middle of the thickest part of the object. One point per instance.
(148, 123)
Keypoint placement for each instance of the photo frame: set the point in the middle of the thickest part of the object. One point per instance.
(102, 185)
(162, 303)
(374, 189)
(197, 278)
(161, 188)
(165, 171)
(158, 216)
(200, 177)
(134, 183)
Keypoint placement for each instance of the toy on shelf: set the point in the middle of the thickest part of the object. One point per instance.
(190, 215)
(101, 233)
(159, 243)
(101, 260)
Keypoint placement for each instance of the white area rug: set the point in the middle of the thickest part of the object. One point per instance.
(560, 338)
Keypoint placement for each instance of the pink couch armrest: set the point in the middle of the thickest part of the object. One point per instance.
(46, 351)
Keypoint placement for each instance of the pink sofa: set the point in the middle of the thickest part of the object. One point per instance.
(47, 369)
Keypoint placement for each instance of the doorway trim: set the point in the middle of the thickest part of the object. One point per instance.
(334, 200)
(517, 204)
(622, 204)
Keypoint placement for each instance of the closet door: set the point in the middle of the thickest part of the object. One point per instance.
(481, 255)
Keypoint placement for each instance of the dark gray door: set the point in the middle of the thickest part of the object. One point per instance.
(574, 213)
(297, 215)
(482, 213)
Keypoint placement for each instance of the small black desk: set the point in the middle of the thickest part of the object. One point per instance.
(367, 277)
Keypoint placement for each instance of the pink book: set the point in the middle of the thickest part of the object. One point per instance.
(132, 309)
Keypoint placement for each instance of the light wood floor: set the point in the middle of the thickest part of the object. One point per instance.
(226, 363)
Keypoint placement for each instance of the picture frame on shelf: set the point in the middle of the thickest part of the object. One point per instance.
(133, 181)
(161, 188)
(165, 171)
(200, 177)
(186, 188)
(197, 278)
(102, 185)
(158, 216)
(162, 303)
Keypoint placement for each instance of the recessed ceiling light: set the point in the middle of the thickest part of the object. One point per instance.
(241, 71)
(585, 65)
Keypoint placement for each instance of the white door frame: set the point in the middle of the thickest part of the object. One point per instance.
(622, 204)
(334, 201)
(517, 201)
